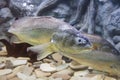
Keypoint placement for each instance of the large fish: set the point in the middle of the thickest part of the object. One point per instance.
(48, 35)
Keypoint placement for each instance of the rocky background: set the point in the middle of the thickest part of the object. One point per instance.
(98, 17)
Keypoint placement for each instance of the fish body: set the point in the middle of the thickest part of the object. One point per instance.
(100, 55)
(48, 35)
(36, 30)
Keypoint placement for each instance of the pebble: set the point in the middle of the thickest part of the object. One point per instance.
(8, 65)
(37, 64)
(47, 67)
(3, 52)
(47, 60)
(3, 77)
(15, 78)
(2, 59)
(98, 77)
(18, 62)
(15, 71)
(5, 71)
(25, 77)
(81, 73)
(40, 73)
(2, 65)
(45, 78)
(57, 57)
(109, 78)
(23, 58)
(62, 67)
(28, 70)
(64, 74)
(79, 78)
(77, 66)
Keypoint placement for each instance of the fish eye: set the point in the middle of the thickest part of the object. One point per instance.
(80, 41)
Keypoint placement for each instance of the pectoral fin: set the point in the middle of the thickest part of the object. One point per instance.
(42, 50)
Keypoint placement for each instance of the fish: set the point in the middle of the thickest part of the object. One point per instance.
(48, 35)
(89, 50)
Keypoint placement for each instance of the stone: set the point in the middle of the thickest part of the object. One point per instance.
(117, 46)
(37, 64)
(64, 74)
(22, 76)
(2, 65)
(40, 73)
(3, 52)
(2, 59)
(3, 77)
(47, 67)
(44, 78)
(77, 66)
(116, 39)
(62, 67)
(2, 3)
(62, 11)
(55, 78)
(81, 73)
(8, 65)
(80, 78)
(22, 8)
(98, 77)
(18, 62)
(109, 78)
(5, 15)
(90, 77)
(57, 57)
(113, 25)
(15, 78)
(5, 71)
(104, 11)
(27, 70)
(47, 60)
(15, 71)
(24, 58)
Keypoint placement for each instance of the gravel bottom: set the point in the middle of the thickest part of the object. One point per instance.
(54, 68)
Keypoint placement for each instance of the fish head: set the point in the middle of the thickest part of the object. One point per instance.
(71, 41)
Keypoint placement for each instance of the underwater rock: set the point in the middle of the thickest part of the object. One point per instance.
(2, 3)
(114, 23)
(116, 39)
(62, 67)
(15, 71)
(25, 77)
(40, 73)
(3, 52)
(5, 15)
(105, 8)
(37, 64)
(57, 57)
(27, 70)
(47, 67)
(81, 73)
(64, 74)
(76, 66)
(15, 78)
(117, 46)
(5, 71)
(19, 62)
(22, 8)
(61, 11)
(2, 65)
